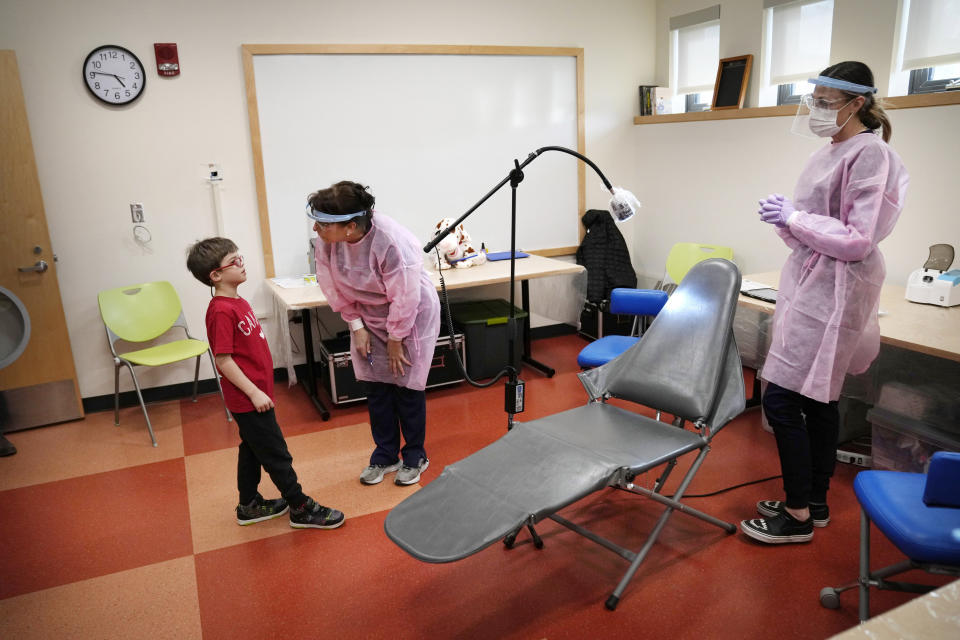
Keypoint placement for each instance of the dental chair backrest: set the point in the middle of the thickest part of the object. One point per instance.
(687, 363)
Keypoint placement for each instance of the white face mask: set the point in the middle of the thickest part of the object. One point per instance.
(823, 122)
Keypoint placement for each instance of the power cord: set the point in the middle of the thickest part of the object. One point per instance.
(719, 491)
(445, 306)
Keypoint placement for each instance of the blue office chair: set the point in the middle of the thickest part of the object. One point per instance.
(920, 514)
(623, 301)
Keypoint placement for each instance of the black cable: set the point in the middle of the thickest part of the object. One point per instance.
(719, 491)
(445, 306)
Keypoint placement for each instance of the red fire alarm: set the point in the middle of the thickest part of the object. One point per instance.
(168, 63)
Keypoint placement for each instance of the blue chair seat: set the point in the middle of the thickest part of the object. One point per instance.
(893, 500)
(604, 350)
(638, 302)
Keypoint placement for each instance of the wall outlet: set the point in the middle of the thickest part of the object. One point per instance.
(136, 212)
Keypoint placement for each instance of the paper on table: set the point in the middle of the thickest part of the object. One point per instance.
(750, 285)
(307, 280)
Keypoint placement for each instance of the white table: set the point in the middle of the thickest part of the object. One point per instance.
(303, 299)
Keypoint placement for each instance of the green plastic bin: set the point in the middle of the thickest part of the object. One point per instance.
(484, 326)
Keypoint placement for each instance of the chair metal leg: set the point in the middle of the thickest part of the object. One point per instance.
(683, 508)
(216, 376)
(864, 608)
(658, 485)
(196, 379)
(614, 598)
(143, 406)
(116, 394)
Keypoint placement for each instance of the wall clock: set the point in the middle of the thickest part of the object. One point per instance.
(114, 75)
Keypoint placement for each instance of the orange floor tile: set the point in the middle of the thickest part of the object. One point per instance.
(106, 536)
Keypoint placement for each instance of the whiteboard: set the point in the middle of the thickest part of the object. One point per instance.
(431, 134)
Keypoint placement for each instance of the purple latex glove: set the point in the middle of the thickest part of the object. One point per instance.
(776, 210)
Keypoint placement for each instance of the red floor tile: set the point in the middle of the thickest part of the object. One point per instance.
(61, 532)
(353, 582)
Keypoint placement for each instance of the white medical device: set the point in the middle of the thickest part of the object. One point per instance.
(935, 283)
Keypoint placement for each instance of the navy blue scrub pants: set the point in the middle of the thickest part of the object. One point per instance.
(806, 433)
(394, 411)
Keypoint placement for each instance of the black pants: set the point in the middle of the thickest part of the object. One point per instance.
(262, 445)
(395, 410)
(806, 432)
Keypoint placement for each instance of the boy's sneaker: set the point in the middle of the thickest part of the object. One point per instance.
(259, 510)
(411, 475)
(311, 515)
(780, 529)
(819, 512)
(375, 472)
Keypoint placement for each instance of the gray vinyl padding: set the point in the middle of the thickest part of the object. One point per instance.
(544, 465)
(531, 472)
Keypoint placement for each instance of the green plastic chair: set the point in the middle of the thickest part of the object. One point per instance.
(141, 313)
(684, 255)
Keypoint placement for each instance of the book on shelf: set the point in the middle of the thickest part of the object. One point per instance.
(647, 101)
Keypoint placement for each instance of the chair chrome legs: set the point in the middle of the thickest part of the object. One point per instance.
(143, 406)
(116, 392)
(216, 376)
(196, 379)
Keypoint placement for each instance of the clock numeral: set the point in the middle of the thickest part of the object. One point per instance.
(134, 86)
(116, 95)
(95, 63)
(137, 76)
(133, 65)
(92, 75)
(127, 93)
(96, 85)
(106, 92)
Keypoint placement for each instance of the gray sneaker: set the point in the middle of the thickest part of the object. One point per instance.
(411, 475)
(375, 472)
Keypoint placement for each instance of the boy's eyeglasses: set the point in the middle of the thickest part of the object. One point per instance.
(819, 103)
(236, 262)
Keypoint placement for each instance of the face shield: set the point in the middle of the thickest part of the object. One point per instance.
(822, 110)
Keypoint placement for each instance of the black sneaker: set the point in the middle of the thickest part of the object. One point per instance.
(819, 512)
(780, 529)
(311, 515)
(259, 510)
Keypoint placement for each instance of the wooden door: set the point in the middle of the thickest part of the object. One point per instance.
(40, 386)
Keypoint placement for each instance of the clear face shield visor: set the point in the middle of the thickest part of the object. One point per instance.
(809, 105)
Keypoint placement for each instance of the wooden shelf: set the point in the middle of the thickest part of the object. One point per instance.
(898, 102)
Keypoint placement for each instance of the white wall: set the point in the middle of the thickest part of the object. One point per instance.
(702, 180)
(94, 161)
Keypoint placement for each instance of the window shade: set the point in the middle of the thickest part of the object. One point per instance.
(933, 33)
(800, 40)
(698, 54)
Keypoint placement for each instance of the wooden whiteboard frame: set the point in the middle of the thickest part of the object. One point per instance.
(251, 50)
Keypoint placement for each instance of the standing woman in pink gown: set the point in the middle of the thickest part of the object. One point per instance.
(847, 199)
(371, 271)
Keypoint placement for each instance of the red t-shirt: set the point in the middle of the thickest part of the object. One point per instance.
(232, 328)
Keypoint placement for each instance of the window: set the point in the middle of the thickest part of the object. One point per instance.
(796, 47)
(695, 55)
(928, 51)
(934, 79)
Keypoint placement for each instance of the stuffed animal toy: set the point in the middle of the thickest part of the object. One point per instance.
(456, 249)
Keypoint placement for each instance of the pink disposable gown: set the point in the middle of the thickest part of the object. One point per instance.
(381, 279)
(849, 197)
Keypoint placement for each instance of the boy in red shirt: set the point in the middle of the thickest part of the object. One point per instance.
(243, 359)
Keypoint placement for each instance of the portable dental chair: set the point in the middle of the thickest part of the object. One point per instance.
(686, 365)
